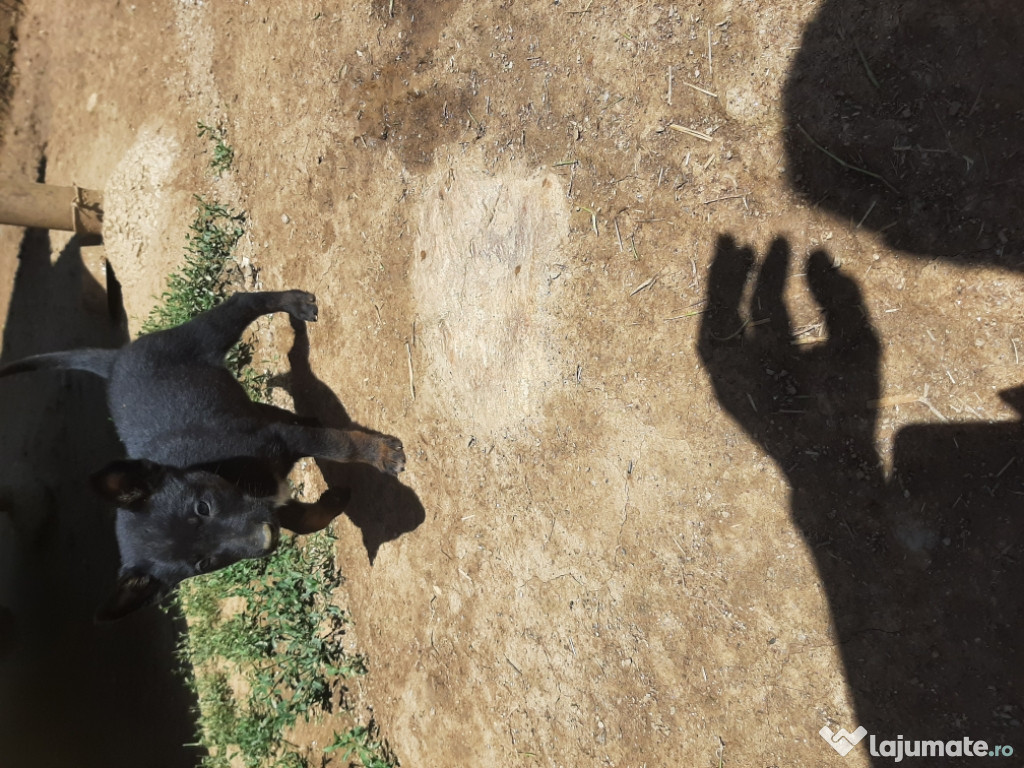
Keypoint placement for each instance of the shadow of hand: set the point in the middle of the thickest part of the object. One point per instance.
(925, 612)
(809, 407)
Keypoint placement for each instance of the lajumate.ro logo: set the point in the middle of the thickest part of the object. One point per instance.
(842, 741)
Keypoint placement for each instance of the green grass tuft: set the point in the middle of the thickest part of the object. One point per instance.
(223, 153)
(363, 743)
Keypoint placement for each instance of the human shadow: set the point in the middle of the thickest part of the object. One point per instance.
(72, 692)
(921, 565)
(381, 506)
(905, 117)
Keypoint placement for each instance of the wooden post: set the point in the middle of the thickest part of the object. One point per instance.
(44, 206)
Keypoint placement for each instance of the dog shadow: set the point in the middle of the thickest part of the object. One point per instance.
(61, 674)
(379, 505)
(920, 564)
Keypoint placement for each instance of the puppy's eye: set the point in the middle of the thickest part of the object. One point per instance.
(204, 565)
(202, 509)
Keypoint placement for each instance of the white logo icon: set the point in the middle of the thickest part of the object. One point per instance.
(841, 741)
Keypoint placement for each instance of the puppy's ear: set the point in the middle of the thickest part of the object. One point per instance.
(128, 483)
(134, 589)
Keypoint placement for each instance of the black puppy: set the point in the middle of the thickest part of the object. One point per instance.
(204, 484)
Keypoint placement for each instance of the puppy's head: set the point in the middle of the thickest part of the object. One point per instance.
(176, 523)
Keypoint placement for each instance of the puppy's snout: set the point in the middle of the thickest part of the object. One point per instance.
(269, 536)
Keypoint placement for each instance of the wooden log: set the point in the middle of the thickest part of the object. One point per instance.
(44, 206)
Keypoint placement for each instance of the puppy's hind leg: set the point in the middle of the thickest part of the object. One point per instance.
(211, 334)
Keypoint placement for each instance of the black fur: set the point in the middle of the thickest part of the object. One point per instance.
(203, 485)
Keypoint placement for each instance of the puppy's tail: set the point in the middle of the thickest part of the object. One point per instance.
(98, 361)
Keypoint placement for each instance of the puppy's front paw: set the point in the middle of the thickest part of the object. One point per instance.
(392, 455)
(301, 305)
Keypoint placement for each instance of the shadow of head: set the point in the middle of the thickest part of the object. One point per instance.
(921, 103)
(380, 505)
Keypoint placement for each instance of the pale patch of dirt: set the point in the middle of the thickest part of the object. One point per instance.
(141, 207)
(483, 323)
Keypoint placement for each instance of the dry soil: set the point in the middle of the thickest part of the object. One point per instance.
(637, 528)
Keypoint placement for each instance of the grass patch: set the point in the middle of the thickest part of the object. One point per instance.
(363, 743)
(264, 648)
(223, 153)
(201, 283)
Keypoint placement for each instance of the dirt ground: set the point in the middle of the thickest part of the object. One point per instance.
(639, 527)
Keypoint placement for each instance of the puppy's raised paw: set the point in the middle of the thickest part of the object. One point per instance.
(301, 305)
(392, 455)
